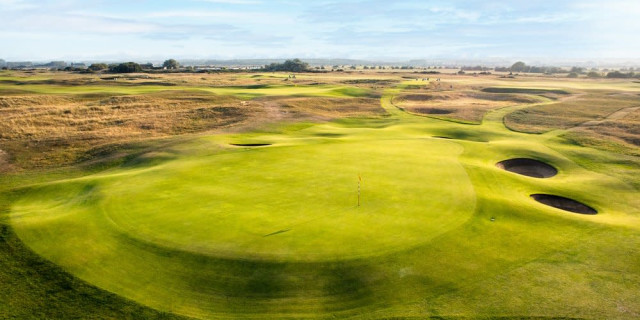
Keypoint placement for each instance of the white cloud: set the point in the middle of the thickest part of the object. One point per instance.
(239, 16)
(74, 23)
(15, 5)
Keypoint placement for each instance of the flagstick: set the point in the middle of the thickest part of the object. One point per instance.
(359, 181)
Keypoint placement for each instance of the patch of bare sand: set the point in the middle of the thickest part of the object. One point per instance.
(563, 203)
(528, 167)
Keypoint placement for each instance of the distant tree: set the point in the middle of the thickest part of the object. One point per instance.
(594, 74)
(534, 69)
(572, 75)
(126, 67)
(618, 74)
(519, 67)
(98, 66)
(146, 66)
(295, 65)
(3, 63)
(577, 69)
(171, 64)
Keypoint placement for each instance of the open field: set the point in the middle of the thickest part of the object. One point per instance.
(239, 196)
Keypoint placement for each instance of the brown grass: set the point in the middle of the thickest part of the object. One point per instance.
(615, 135)
(4, 161)
(463, 105)
(604, 120)
(45, 130)
(626, 129)
(568, 113)
(323, 108)
(41, 130)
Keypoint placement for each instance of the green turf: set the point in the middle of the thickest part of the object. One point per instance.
(244, 91)
(213, 230)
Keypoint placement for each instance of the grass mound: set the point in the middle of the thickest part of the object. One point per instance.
(433, 111)
(587, 112)
(463, 105)
(524, 90)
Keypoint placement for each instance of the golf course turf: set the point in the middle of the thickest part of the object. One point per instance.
(395, 216)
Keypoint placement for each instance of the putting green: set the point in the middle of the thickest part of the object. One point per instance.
(214, 229)
(291, 202)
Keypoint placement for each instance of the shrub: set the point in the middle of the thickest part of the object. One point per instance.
(126, 67)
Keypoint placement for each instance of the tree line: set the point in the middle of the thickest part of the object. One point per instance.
(295, 65)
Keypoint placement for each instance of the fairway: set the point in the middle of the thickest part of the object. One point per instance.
(278, 224)
(239, 203)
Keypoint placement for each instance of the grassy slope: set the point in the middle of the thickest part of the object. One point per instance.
(34, 288)
(245, 92)
(64, 126)
(567, 114)
(531, 261)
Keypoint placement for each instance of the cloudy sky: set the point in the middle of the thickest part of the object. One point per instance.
(365, 29)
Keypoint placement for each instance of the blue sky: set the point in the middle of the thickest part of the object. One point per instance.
(366, 29)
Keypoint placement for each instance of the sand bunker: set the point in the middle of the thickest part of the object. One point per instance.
(528, 167)
(564, 203)
(250, 144)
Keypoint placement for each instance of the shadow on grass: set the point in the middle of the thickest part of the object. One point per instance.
(34, 288)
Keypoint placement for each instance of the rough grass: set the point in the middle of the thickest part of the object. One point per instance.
(324, 108)
(568, 113)
(34, 288)
(62, 127)
(623, 131)
(463, 105)
(524, 90)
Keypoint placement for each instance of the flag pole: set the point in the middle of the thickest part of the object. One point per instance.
(359, 181)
